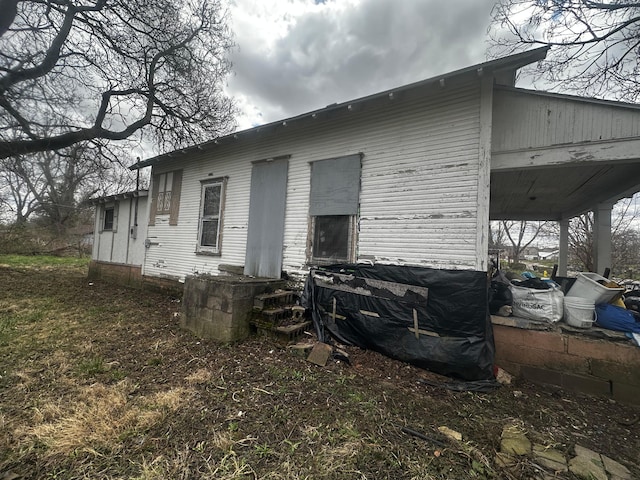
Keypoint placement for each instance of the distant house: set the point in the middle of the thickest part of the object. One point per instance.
(548, 254)
(409, 176)
(531, 253)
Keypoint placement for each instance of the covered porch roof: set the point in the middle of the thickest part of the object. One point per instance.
(557, 156)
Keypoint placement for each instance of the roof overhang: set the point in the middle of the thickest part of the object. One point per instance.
(561, 181)
(119, 196)
(502, 69)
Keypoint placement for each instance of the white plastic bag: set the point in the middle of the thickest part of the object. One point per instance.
(540, 305)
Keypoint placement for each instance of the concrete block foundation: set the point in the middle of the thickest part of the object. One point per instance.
(574, 360)
(219, 308)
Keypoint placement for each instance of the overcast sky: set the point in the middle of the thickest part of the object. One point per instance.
(293, 56)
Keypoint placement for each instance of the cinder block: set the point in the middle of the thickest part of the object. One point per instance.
(508, 352)
(507, 335)
(626, 393)
(511, 367)
(595, 349)
(548, 359)
(541, 375)
(551, 341)
(586, 384)
(627, 354)
(615, 372)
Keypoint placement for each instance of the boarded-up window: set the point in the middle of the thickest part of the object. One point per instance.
(211, 206)
(333, 206)
(335, 186)
(166, 196)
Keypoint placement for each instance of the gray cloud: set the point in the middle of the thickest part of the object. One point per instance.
(329, 55)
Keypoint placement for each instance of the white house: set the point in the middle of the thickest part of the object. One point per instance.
(408, 176)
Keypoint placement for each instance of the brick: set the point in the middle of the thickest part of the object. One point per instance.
(626, 393)
(586, 384)
(541, 375)
(616, 372)
(544, 340)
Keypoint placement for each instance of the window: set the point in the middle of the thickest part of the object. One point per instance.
(165, 184)
(108, 219)
(334, 202)
(211, 205)
(332, 238)
(166, 197)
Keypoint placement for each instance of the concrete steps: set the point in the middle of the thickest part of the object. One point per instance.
(278, 315)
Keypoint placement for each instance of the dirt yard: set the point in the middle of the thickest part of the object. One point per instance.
(100, 382)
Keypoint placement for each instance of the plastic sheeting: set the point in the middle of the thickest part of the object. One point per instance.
(432, 318)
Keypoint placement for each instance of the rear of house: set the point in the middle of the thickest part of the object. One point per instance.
(398, 180)
(399, 177)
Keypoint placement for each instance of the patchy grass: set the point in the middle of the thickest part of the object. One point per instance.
(42, 261)
(98, 381)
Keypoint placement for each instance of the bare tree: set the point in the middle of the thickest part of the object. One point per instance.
(52, 186)
(522, 234)
(95, 71)
(15, 195)
(595, 43)
(625, 234)
(497, 235)
(581, 242)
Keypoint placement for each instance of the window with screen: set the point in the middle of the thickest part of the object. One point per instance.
(211, 205)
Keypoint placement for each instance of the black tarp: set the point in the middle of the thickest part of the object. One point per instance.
(378, 307)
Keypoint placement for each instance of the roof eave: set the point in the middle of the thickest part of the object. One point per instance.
(511, 62)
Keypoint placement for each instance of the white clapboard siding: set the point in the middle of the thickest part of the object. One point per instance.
(418, 201)
(531, 120)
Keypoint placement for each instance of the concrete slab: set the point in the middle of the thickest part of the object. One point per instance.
(550, 458)
(587, 464)
(514, 441)
(616, 470)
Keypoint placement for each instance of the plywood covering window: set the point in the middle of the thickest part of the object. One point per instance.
(166, 196)
(211, 208)
(333, 207)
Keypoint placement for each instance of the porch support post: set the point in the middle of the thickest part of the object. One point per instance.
(484, 172)
(563, 251)
(602, 237)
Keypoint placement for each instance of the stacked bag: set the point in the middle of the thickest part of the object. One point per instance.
(591, 299)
